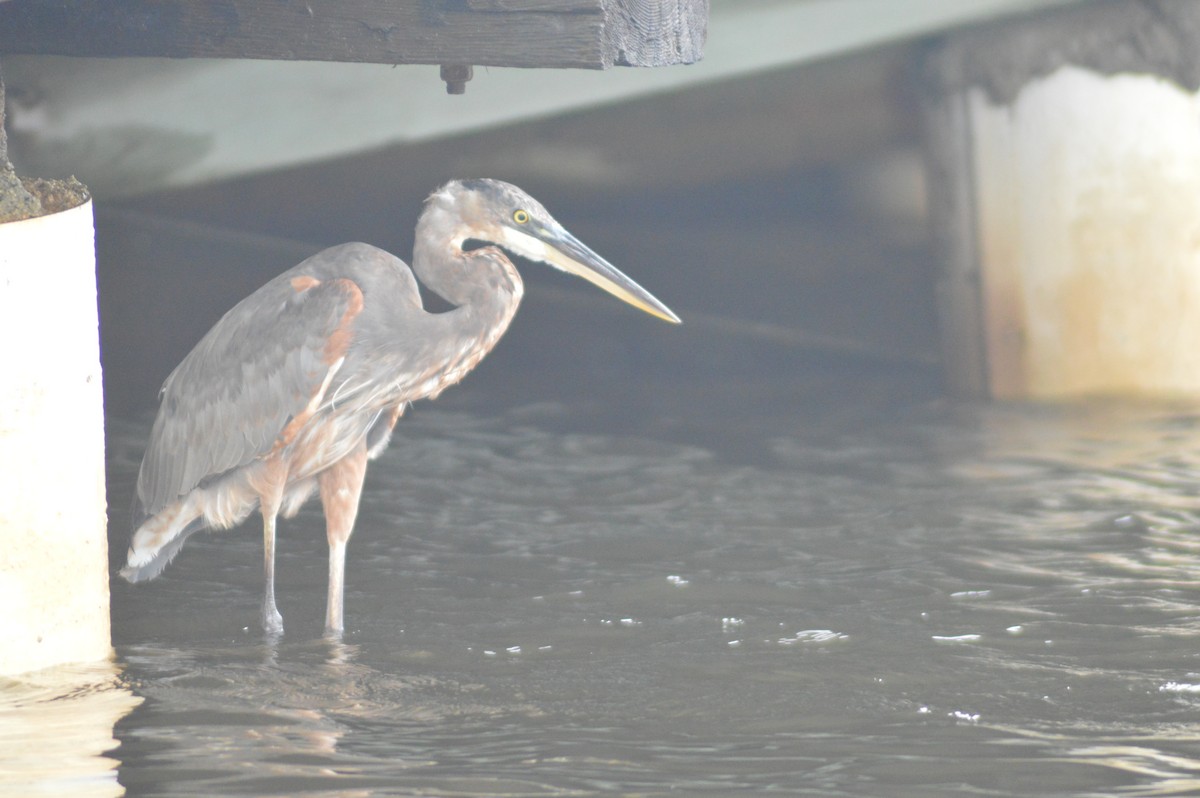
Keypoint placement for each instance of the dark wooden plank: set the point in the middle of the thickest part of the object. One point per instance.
(591, 34)
(560, 6)
(655, 32)
(375, 31)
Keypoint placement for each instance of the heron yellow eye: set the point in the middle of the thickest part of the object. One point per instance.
(520, 217)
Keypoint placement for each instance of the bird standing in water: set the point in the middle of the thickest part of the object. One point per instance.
(301, 383)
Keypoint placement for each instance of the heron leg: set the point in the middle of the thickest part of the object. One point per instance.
(341, 487)
(272, 621)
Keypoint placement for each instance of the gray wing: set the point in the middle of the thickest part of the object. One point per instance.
(258, 367)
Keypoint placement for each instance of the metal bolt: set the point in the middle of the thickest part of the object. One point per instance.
(456, 77)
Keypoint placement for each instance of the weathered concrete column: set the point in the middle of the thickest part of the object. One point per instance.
(53, 548)
(1065, 191)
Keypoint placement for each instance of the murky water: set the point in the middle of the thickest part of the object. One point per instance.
(913, 600)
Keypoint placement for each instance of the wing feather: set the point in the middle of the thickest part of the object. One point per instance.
(226, 403)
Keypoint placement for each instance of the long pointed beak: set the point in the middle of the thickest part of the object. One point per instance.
(568, 253)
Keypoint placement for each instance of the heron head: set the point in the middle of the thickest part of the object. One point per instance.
(502, 214)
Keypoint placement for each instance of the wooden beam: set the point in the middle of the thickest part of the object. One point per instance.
(588, 34)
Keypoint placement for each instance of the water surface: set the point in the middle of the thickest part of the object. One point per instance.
(867, 597)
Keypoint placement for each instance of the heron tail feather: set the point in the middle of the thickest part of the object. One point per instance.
(159, 537)
(142, 566)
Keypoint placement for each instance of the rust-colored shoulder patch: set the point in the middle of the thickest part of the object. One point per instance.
(339, 340)
(304, 282)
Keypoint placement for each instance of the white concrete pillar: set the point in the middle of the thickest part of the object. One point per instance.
(1067, 204)
(53, 548)
(1089, 231)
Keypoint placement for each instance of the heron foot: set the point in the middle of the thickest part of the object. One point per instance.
(272, 621)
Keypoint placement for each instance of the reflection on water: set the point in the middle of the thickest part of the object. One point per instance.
(56, 731)
(928, 601)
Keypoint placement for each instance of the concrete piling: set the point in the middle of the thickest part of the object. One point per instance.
(1065, 155)
(53, 547)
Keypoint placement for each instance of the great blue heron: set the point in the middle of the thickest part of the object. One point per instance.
(301, 383)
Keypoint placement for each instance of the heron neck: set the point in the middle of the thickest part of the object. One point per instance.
(482, 284)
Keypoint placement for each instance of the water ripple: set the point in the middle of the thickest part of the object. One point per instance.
(943, 601)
